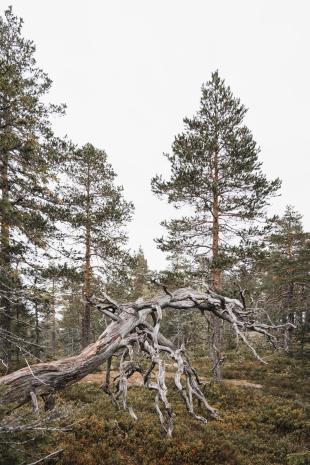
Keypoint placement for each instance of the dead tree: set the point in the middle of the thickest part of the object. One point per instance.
(135, 328)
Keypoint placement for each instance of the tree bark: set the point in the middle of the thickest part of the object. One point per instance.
(216, 275)
(53, 307)
(85, 340)
(288, 334)
(290, 300)
(5, 304)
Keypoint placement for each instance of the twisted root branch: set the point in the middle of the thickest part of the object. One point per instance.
(129, 334)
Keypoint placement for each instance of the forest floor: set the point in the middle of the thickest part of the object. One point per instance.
(264, 421)
(137, 380)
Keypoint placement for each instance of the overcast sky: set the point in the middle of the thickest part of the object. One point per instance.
(130, 70)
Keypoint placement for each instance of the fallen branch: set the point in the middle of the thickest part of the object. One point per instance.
(49, 456)
(130, 333)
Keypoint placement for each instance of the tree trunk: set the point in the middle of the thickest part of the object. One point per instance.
(290, 298)
(288, 334)
(18, 328)
(305, 331)
(216, 275)
(53, 307)
(5, 283)
(37, 329)
(216, 336)
(85, 340)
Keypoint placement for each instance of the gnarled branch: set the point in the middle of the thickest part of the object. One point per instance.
(128, 333)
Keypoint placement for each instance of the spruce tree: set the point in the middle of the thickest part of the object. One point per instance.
(28, 156)
(216, 173)
(97, 213)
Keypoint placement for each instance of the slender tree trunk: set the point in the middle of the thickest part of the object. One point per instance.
(216, 340)
(37, 329)
(5, 305)
(37, 323)
(305, 330)
(216, 274)
(53, 338)
(290, 319)
(290, 298)
(18, 327)
(87, 273)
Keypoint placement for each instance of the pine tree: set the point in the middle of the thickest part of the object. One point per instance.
(28, 155)
(286, 280)
(97, 213)
(216, 172)
(140, 276)
(71, 316)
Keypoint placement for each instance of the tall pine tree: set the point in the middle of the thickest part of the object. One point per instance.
(28, 155)
(97, 213)
(216, 172)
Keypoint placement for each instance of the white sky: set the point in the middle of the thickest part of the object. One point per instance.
(130, 71)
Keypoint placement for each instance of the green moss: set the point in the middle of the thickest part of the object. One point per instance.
(302, 458)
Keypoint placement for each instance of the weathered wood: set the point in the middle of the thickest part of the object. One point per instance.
(129, 331)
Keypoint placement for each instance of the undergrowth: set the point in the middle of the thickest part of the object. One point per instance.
(257, 427)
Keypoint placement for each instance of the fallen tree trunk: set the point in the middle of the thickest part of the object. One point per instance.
(130, 332)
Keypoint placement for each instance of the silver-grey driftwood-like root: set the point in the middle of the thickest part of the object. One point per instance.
(130, 333)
